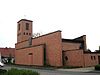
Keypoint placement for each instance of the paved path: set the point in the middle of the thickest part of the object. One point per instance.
(55, 71)
(88, 69)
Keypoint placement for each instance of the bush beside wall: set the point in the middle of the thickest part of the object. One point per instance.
(97, 67)
(2, 71)
(14, 71)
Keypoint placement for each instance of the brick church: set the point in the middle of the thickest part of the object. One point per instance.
(51, 49)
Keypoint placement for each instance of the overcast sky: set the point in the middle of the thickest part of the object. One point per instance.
(73, 17)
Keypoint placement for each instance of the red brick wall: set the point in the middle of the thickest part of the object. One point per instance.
(7, 51)
(22, 44)
(20, 33)
(30, 56)
(73, 53)
(75, 58)
(83, 38)
(89, 61)
(70, 46)
(53, 48)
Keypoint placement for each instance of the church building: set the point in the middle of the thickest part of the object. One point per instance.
(51, 49)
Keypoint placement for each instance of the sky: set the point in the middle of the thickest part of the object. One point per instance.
(73, 17)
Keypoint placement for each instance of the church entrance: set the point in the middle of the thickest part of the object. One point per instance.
(30, 58)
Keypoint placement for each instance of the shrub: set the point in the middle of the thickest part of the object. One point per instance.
(2, 71)
(97, 67)
(15, 71)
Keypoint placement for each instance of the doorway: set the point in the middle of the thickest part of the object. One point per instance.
(30, 58)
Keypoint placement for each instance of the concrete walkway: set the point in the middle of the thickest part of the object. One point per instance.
(88, 69)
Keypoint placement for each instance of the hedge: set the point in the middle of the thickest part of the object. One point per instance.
(2, 71)
(97, 67)
(15, 71)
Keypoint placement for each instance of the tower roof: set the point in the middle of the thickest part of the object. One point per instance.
(24, 20)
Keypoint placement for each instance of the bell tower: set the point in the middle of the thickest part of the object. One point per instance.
(24, 30)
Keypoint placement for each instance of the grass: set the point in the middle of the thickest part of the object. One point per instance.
(15, 71)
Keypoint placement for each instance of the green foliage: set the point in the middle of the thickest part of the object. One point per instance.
(2, 71)
(97, 67)
(15, 71)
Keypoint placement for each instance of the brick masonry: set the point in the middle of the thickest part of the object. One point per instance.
(50, 49)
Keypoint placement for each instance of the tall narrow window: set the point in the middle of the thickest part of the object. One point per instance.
(91, 57)
(18, 26)
(27, 26)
